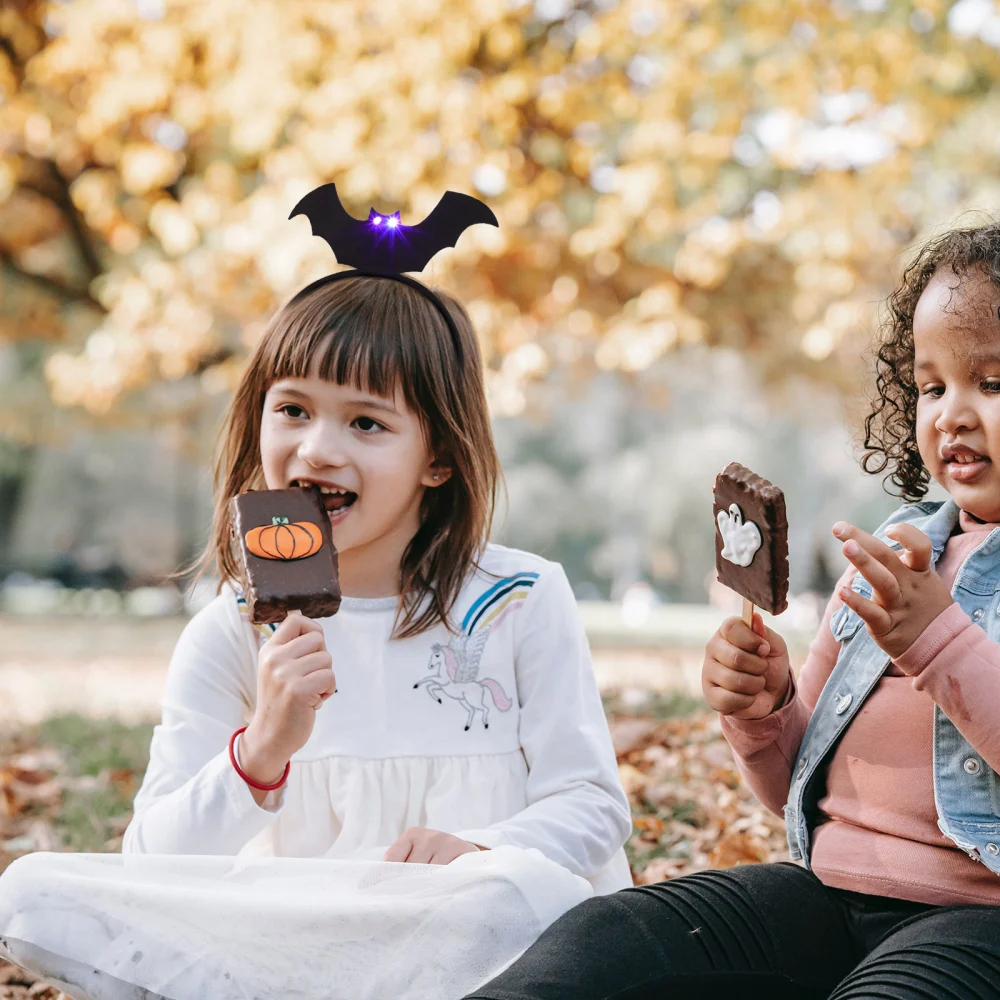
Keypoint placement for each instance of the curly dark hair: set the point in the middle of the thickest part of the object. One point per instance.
(890, 428)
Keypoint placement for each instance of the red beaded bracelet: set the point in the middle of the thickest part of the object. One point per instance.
(244, 775)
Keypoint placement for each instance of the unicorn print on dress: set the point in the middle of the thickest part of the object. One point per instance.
(454, 668)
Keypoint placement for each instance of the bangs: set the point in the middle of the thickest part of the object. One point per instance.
(366, 342)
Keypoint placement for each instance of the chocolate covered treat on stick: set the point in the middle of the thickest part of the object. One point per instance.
(751, 543)
(287, 553)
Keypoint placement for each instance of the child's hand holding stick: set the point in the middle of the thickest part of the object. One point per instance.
(294, 677)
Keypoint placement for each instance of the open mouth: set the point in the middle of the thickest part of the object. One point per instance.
(337, 501)
(966, 466)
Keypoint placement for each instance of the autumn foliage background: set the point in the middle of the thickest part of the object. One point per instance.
(701, 205)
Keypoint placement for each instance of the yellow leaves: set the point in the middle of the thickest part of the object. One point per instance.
(824, 278)
(27, 218)
(172, 227)
(633, 347)
(663, 173)
(654, 137)
(738, 849)
(146, 166)
(704, 258)
(637, 185)
(953, 72)
(657, 301)
(589, 42)
(8, 179)
(163, 45)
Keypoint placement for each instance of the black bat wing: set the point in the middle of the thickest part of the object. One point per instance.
(384, 249)
(452, 215)
(346, 236)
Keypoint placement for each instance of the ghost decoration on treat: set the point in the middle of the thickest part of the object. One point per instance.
(740, 541)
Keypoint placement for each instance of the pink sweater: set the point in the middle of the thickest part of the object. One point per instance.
(877, 828)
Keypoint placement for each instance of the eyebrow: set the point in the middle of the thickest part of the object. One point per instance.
(986, 357)
(372, 402)
(973, 358)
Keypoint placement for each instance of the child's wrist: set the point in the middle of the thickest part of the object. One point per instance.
(257, 765)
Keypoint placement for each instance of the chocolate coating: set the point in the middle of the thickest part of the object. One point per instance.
(765, 580)
(273, 587)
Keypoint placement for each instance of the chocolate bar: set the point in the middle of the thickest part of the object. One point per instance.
(287, 553)
(751, 543)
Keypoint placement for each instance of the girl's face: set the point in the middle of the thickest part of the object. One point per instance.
(956, 339)
(370, 457)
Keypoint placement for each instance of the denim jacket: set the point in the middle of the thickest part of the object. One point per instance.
(966, 789)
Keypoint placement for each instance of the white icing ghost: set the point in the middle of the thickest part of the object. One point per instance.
(739, 541)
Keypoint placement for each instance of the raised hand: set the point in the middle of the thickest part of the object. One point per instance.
(294, 677)
(907, 595)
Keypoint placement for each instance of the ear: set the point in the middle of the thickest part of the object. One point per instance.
(436, 474)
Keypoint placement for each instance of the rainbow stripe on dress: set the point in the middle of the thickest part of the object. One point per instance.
(505, 595)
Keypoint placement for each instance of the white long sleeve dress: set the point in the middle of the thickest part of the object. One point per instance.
(495, 734)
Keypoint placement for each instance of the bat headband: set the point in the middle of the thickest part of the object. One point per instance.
(382, 247)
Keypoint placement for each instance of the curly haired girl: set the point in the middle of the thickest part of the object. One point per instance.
(884, 754)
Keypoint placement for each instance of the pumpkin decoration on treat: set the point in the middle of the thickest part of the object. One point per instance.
(281, 540)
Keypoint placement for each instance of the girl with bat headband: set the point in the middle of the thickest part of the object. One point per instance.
(884, 754)
(425, 780)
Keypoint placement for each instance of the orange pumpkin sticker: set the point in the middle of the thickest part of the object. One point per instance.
(281, 540)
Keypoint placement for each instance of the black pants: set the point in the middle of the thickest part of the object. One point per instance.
(768, 931)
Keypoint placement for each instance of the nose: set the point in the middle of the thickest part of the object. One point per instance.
(322, 447)
(958, 413)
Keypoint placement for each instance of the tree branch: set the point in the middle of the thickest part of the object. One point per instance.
(58, 194)
(52, 285)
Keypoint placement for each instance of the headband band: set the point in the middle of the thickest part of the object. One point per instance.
(426, 292)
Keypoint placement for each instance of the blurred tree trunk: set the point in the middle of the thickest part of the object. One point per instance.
(16, 462)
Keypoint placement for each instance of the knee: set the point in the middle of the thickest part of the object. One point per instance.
(25, 880)
(23, 872)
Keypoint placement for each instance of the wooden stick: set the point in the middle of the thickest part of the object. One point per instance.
(748, 612)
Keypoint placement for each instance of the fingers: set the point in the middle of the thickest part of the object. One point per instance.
(400, 851)
(734, 681)
(878, 550)
(286, 659)
(294, 624)
(726, 702)
(723, 651)
(773, 640)
(917, 549)
(873, 559)
(878, 620)
(427, 847)
(421, 853)
(883, 581)
(737, 633)
(303, 645)
(316, 676)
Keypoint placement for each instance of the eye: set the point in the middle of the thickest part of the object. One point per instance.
(934, 391)
(990, 385)
(292, 410)
(367, 425)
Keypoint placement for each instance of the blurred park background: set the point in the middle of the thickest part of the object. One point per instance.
(702, 204)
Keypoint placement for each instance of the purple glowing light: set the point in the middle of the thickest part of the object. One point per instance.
(377, 220)
(393, 222)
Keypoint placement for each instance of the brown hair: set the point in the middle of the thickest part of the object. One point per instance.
(891, 426)
(378, 334)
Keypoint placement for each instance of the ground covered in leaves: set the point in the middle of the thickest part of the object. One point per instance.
(68, 785)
